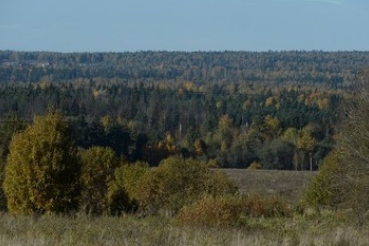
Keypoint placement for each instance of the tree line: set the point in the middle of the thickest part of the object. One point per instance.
(331, 69)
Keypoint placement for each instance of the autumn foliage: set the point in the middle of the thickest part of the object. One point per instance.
(42, 168)
(231, 210)
(178, 182)
(46, 174)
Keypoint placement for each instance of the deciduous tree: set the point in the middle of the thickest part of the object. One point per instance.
(42, 169)
(97, 173)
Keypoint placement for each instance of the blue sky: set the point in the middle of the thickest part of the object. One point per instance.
(191, 25)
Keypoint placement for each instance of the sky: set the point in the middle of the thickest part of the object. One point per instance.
(186, 25)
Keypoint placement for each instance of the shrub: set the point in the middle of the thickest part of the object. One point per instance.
(118, 200)
(178, 182)
(324, 190)
(126, 183)
(255, 166)
(97, 173)
(212, 211)
(231, 210)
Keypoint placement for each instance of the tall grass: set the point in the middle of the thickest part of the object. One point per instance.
(131, 231)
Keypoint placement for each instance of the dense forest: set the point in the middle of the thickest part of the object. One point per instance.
(333, 69)
(271, 110)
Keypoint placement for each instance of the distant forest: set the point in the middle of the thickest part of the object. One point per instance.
(271, 110)
(314, 67)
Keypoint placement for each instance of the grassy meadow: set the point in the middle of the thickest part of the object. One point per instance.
(310, 228)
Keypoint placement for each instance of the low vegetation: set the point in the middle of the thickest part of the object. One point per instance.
(128, 230)
(324, 191)
(232, 210)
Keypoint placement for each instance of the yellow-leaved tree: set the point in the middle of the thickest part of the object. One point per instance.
(42, 168)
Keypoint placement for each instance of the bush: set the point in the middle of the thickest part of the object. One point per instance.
(324, 190)
(178, 182)
(118, 200)
(212, 211)
(255, 166)
(231, 210)
(97, 174)
(127, 179)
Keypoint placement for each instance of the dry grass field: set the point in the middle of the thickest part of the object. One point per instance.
(287, 184)
(52, 230)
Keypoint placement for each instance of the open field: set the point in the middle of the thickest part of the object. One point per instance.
(287, 184)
